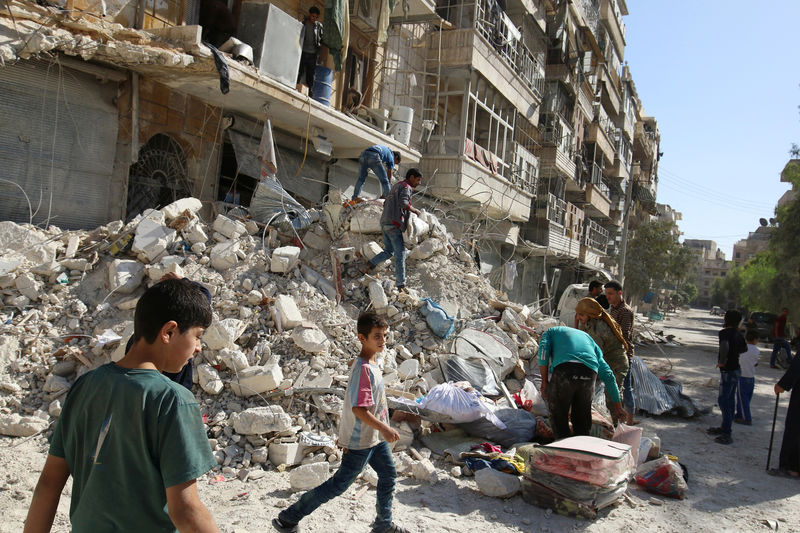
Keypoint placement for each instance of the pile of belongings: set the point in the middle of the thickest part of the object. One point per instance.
(577, 476)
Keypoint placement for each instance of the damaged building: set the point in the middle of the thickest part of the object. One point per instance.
(521, 114)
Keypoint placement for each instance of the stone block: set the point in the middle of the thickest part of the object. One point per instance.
(497, 484)
(426, 249)
(234, 359)
(289, 313)
(423, 470)
(158, 271)
(14, 425)
(176, 208)
(256, 380)
(307, 477)
(286, 453)
(377, 295)
(366, 219)
(345, 255)
(27, 285)
(311, 340)
(223, 333)
(125, 276)
(224, 255)
(284, 259)
(261, 420)
(152, 236)
(316, 241)
(209, 379)
(228, 227)
(55, 384)
(408, 369)
(370, 249)
(196, 235)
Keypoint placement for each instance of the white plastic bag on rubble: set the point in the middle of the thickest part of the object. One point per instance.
(530, 392)
(458, 404)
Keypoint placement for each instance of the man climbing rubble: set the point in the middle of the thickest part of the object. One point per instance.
(394, 221)
(381, 160)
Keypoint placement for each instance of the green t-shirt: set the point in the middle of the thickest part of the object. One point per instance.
(127, 435)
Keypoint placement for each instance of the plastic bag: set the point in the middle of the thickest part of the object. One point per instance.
(476, 372)
(438, 320)
(458, 404)
(662, 476)
(530, 393)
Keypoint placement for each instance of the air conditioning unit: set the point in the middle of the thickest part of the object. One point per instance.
(364, 14)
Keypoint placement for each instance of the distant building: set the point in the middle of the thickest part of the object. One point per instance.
(711, 265)
(757, 241)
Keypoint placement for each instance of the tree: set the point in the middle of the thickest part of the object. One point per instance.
(655, 259)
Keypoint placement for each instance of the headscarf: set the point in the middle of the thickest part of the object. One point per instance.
(590, 307)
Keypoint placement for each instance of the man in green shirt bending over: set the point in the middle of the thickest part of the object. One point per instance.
(132, 439)
(576, 361)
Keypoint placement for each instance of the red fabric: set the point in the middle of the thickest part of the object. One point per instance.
(365, 397)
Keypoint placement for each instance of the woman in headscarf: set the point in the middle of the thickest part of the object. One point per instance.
(594, 320)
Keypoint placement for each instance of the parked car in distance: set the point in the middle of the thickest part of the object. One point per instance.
(762, 323)
(717, 310)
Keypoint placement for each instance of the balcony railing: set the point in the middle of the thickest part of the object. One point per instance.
(554, 208)
(496, 27)
(595, 236)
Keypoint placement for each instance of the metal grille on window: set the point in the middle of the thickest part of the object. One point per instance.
(158, 178)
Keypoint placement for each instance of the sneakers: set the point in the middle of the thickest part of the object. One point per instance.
(283, 527)
(724, 439)
(743, 421)
(715, 431)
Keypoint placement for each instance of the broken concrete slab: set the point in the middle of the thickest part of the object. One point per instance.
(209, 379)
(228, 227)
(307, 477)
(284, 259)
(125, 275)
(176, 208)
(256, 380)
(311, 340)
(261, 420)
(223, 333)
(289, 313)
(377, 295)
(14, 425)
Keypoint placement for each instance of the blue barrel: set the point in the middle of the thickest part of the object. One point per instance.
(323, 79)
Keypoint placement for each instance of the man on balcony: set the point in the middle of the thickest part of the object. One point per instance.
(311, 41)
(381, 160)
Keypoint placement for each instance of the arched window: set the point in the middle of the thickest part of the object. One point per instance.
(158, 178)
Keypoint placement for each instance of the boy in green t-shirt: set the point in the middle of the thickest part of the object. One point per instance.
(132, 440)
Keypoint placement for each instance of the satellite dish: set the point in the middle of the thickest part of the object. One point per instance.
(773, 221)
(762, 221)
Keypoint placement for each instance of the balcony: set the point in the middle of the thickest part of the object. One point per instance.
(597, 202)
(555, 152)
(599, 133)
(612, 16)
(549, 226)
(491, 45)
(585, 100)
(595, 236)
(461, 179)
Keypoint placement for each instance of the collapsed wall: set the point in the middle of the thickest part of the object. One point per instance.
(275, 360)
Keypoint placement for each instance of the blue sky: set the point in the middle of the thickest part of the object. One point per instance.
(723, 80)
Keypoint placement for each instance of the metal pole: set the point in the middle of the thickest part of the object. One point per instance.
(624, 244)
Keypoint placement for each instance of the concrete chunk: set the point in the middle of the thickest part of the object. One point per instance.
(209, 379)
(366, 220)
(14, 425)
(224, 255)
(261, 420)
(377, 295)
(196, 235)
(370, 250)
(290, 314)
(234, 359)
(426, 249)
(307, 477)
(256, 380)
(176, 208)
(152, 236)
(125, 276)
(311, 340)
(28, 286)
(286, 453)
(228, 227)
(284, 259)
(497, 484)
(408, 369)
(223, 333)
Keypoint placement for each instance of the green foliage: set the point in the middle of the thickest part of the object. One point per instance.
(689, 289)
(655, 259)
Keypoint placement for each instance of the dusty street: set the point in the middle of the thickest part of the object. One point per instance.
(728, 487)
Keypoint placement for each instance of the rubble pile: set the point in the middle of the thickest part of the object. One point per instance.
(274, 366)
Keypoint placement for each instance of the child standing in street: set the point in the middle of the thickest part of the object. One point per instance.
(747, 381)
(731, 345)
(364, 434)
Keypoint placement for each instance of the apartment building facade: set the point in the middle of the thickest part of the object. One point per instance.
(523, 118)
(711, 265)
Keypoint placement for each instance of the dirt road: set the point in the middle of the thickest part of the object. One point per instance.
(729, 489)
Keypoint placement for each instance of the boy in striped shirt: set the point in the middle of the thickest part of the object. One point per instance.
(364, 434)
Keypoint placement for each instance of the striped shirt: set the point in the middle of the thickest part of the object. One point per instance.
(365, 389)
(623, 314)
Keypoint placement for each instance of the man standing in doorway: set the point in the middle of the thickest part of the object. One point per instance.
(381, 160)
(622, 313)
(779, 335)
(396, 212)
(310, 40)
